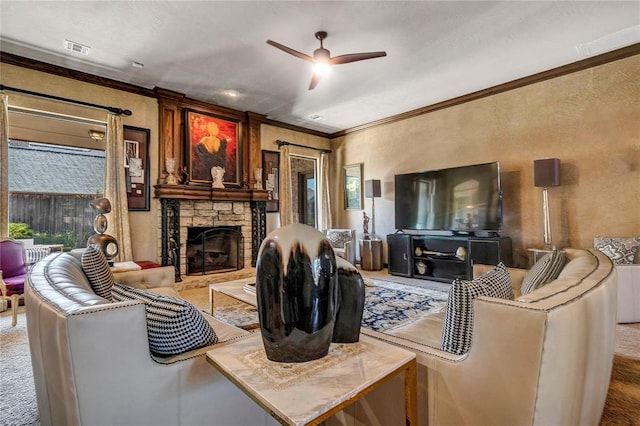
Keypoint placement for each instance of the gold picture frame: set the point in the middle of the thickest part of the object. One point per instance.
(213, 141)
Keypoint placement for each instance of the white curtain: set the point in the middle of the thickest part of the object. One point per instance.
(324, 190)
(286, 208)
(115, 188)
(4, 166)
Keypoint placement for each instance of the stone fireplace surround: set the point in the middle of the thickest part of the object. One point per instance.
(215, 214)
(183, 207)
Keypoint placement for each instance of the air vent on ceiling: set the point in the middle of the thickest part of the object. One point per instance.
(76, 47)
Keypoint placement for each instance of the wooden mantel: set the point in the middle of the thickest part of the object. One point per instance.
(202, 192)
(172, 107)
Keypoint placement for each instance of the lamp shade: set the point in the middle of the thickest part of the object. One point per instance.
(372, 188)
(546, 172)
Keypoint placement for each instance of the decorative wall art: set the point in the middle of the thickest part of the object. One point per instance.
(136, 163)
(353, 187)
(270, 169)
(213, 142)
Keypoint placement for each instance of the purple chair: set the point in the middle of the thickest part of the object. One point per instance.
(13, 273)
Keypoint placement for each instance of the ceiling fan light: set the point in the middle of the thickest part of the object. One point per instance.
(321, 68)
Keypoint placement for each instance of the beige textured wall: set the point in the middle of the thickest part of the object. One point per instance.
(590, 120)
(144, 225)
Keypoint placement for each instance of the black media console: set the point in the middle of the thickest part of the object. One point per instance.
(443, 257)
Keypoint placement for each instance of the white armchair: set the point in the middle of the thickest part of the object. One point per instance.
(343, 242)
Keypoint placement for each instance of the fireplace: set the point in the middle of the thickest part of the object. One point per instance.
(182, 221)
(213, 250)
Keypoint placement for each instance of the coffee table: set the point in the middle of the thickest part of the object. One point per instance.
(233, 289)
(309, 393)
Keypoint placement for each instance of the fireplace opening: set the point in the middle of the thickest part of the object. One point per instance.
(212, 250)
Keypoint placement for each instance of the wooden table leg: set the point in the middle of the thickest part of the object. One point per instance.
(411, 394)
(211, 291)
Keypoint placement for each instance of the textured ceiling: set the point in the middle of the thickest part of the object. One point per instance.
(437, 50)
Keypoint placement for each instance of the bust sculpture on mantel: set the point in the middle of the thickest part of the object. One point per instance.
(217, 173)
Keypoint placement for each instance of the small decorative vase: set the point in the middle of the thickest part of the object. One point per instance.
(351, 293)
(258, 175)
(170, 166)
(297, 292)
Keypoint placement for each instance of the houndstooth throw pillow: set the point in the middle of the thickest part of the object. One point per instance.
(96, 268)
(174, 325)
(544, 271)
(622, 251)
(458, 321)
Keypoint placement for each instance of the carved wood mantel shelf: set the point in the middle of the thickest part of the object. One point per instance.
(203, 192)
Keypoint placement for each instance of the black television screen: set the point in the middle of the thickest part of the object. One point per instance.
(461, 199)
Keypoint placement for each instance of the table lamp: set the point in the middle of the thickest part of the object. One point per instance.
(546, 173)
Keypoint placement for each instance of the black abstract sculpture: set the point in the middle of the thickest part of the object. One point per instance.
(297, 293)
(350, 303)
(307, 297)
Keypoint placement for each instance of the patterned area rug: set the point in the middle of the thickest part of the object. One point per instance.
(387, 305)
(390, 305)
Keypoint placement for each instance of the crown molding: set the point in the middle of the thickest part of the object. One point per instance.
(581, 65)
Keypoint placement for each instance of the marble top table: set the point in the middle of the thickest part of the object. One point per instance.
(308, 393)
(235, 289)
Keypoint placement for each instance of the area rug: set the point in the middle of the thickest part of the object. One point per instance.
(387, 305)
(18, 404)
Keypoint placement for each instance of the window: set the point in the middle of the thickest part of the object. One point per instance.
(304, 190)
(50, 187)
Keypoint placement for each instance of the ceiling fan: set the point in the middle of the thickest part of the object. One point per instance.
(322, 59)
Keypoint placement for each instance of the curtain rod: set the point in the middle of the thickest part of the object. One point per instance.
(281, 143)
(118, 111)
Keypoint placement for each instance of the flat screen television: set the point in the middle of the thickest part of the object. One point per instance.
(464, 199)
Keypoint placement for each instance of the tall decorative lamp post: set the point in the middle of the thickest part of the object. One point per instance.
(372, 190)
(546, 173)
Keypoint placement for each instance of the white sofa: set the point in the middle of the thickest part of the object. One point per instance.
(542, 359)
(91, 359)
(628, 293)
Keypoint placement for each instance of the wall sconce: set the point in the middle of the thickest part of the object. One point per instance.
(96, 135)
(546, 173)
(372, 189)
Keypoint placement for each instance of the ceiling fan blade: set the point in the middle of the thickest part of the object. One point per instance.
(290, 51)
(314, 81)
(353, 57)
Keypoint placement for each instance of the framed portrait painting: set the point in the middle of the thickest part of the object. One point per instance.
(213, 142)
(136, 163)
